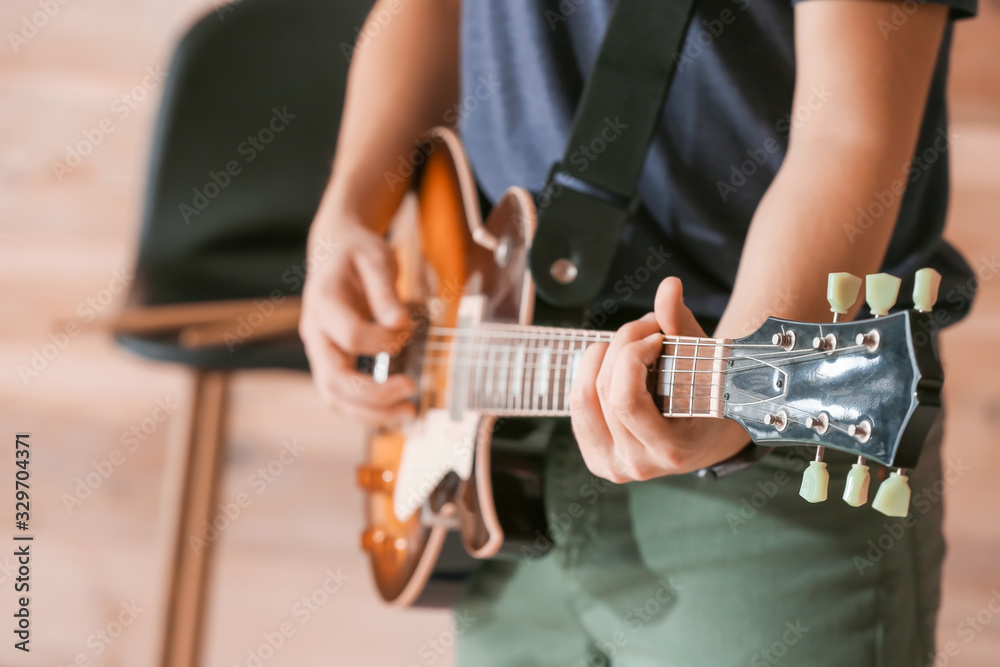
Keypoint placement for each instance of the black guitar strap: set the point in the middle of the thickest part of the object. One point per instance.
(592, 192)
(586, 202)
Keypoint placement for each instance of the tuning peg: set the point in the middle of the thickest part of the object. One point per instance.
(842, 291)
(815, 479)
(856, 491)
(925, 289)
(881, 291)
(893, 497)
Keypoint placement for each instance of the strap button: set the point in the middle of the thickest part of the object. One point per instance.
(563, 271)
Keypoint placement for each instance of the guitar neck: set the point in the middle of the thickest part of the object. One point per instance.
(513, 370)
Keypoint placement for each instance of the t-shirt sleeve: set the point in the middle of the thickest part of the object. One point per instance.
(959, 9)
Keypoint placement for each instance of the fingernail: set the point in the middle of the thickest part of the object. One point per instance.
(649, 317)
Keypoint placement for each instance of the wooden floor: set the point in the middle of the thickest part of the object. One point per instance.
(61, 243)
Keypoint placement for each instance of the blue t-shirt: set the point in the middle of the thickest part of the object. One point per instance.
(723, 136)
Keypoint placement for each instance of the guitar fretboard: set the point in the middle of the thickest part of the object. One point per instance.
(529, 371)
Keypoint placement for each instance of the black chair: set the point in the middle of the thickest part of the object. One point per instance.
(243, 147)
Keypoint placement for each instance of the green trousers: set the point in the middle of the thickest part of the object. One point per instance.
(741, 571)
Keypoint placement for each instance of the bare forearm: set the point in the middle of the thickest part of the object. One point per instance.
(850, 155)
(805, 227)
(402, 81)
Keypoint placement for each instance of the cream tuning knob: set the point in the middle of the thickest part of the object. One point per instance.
(925, 289)
(841, 292)
(815, 482)
(881, 292)
(815, 479)
(893, 497)
(858, 480)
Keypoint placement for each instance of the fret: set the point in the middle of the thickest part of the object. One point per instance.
(504, 375)
(562, 403)
(531, 370)
(668, 369)
(694, 370)
(487, 394)
(577, 355)
(517, 383)
(478, 382)
(543, 375)
(553, 391)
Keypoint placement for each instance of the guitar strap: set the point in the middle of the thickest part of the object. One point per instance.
(589, 196)
(592, 192)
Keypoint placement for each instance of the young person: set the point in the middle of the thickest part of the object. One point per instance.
(798, 139)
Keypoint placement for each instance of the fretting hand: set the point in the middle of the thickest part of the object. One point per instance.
(621, 433)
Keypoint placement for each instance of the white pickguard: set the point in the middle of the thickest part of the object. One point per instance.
(435, 445)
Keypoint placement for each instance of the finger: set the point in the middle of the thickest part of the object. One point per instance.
(674, 317)
(366, 413)
(363, 390)
(591, 431)
(339, 321)
(337, 381)
(335, 378)
(632, 331)
(632, 403)
(377, 269)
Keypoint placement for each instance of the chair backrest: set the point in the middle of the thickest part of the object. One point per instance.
(242, 151)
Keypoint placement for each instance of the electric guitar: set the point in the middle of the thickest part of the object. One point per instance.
(439, 494)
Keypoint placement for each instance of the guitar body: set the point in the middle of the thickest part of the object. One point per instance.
(453, 266)
(464, 481)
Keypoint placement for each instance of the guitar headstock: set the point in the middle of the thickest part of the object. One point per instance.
(870, 388)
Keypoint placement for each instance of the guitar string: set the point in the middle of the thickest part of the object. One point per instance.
(692, 396)
(703, 412)
(473, 348)
(536, 332)
(449, 345)
(596, 338)
(466, 358)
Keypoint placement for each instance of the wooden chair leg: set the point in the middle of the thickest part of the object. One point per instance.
(191, 482)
